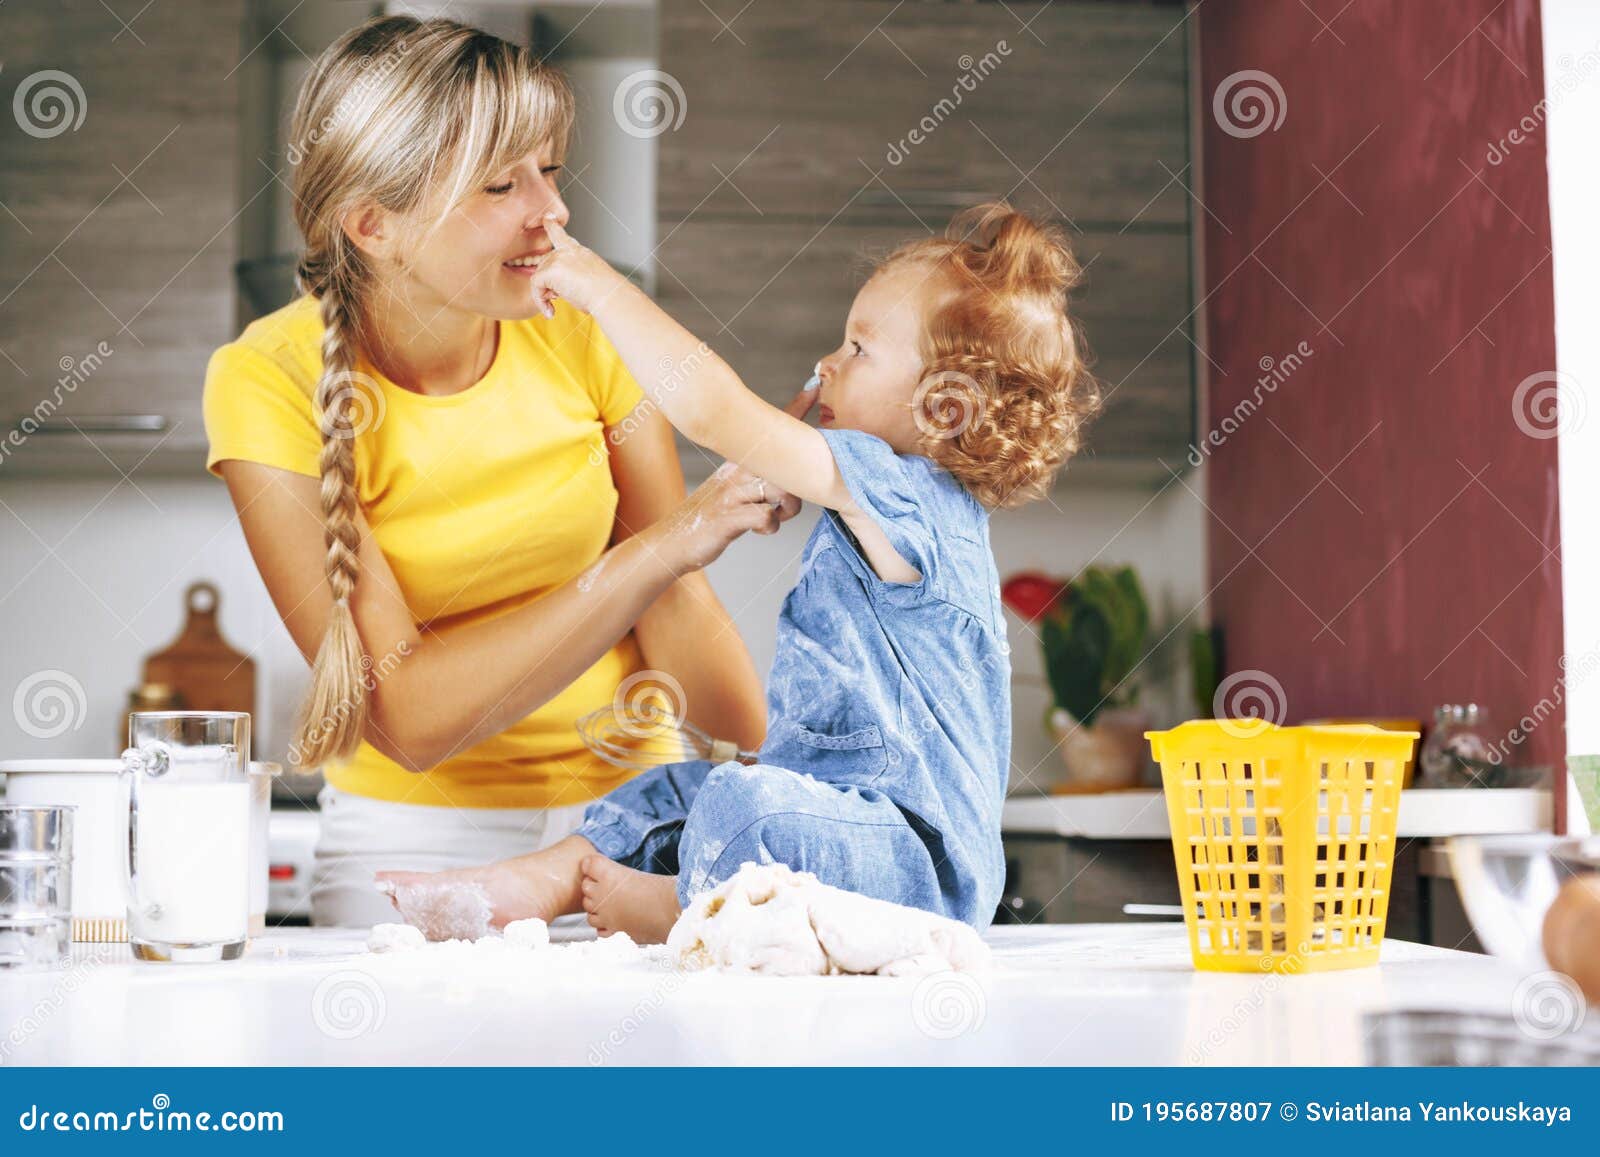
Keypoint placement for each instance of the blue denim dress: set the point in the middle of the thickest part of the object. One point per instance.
(889, 717)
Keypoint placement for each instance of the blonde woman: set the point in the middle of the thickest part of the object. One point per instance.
(464, 522)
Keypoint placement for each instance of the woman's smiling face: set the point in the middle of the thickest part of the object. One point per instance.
(467, 262)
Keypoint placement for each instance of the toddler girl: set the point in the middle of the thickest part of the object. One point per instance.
(959, 388)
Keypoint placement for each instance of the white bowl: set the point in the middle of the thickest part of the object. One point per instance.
(1507, 884)
(99, 902)
(99, 896)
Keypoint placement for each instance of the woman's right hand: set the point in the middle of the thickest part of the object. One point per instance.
(724, 506)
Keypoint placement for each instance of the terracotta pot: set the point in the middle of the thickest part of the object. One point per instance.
(1109, 755)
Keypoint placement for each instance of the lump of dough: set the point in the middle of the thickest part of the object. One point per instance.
(530, 933)
(772, 920)
(758, 920)
(861, 934)
(394, 938)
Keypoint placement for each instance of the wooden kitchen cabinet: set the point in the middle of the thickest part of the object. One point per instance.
(805, 100)
(793, 164)
(772, 297)
(116, 234)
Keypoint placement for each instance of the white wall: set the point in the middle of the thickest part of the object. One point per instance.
(1572, 87)
(92, 578)
(91, 581)
(622, 225)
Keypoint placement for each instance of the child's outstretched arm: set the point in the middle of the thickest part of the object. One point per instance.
(696, 390)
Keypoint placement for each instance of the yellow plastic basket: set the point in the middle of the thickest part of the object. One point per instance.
(1284, 839)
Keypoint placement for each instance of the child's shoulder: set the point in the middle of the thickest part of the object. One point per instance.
(872, 466)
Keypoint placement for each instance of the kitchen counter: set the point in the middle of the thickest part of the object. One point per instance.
(1059, 994)
(1424, 812)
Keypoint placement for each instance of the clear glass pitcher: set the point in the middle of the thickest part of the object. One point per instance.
(187, 775)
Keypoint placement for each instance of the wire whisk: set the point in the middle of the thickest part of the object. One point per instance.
(644, 727)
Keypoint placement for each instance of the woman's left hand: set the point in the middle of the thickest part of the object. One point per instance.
(572, 272)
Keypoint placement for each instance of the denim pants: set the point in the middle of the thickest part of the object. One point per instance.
(701, 821)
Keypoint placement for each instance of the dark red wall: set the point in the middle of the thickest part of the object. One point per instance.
(1425, 569)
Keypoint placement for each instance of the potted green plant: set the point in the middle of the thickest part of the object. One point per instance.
(1094, 629)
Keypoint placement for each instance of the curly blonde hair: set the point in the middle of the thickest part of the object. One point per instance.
(411, 115)
(1006, 391)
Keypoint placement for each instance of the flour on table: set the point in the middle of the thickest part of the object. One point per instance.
(394, 938)
(618, 948)
(530, 933)
(522, 940)
(770, 919)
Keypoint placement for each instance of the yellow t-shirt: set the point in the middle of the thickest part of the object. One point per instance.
(482, 501)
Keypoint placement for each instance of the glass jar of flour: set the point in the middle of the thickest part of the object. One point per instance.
(189, 804)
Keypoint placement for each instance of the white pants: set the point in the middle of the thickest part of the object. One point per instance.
(360, 836)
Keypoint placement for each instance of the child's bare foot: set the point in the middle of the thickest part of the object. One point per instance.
(619, 899)
(467, 902)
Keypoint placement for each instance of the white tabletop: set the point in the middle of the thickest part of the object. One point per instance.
(1058, 994)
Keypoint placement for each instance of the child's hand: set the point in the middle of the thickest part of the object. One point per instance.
(572, 272)
(802, 403)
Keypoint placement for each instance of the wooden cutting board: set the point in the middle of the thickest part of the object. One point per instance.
(205, 671)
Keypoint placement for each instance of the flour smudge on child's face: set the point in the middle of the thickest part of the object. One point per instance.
(870, 381)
